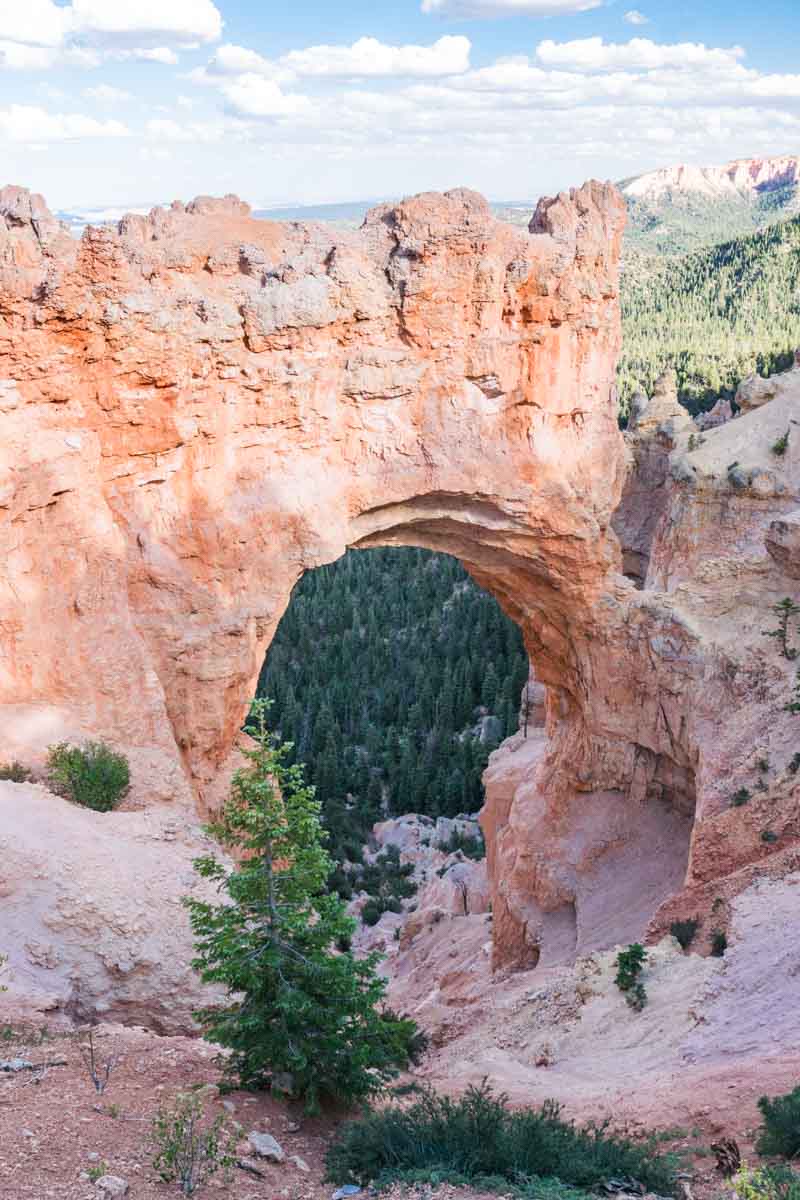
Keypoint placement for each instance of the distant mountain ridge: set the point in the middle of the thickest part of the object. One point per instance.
(676, 209)
(743, 176)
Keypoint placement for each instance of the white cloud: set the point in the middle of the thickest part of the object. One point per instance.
(37, 34)
(238, 60)
(634, 17)
(254, 96)
(179, 22)
(155, 54)
(370, 58)
(104, 93)
(162, 129)
(15, 56)
(34, 23)
(508, 8)
(593, 54)
(26, 123)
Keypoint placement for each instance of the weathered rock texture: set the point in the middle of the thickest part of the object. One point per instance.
(199, 406)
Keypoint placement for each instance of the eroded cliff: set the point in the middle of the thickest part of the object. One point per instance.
(198, 406)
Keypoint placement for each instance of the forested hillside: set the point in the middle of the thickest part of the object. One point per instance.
(715, 315)
(382, 673)
(678, 222)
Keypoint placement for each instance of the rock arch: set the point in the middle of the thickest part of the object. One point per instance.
(199, 406)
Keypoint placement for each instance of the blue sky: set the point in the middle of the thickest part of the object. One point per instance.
(130, 102)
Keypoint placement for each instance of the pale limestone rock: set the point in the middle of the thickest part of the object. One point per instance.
(265, 1146)
(112, 1186)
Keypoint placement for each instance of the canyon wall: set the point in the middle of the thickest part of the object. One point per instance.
(198, 406)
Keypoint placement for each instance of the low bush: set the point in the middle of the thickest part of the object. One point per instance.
(719, 943)
(629, 968)
(479, 1136)
(684, 931)
(188, 1147)
(92, 775)
(14, 772)
(470, 847)
(740, 798)
(767, 1183)
(780, 1131)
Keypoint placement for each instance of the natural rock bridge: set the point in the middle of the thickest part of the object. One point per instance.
(199, 406)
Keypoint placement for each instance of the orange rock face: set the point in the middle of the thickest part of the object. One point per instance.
(198, 406)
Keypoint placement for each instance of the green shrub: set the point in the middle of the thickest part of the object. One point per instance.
(767, 1183)
(769, 836)
(740, 798)
(780, 1131)
(794, 765)
(14, 772)
(684, 931)
(478, 1136)
(188, 1148)
(629, 968)
(719, 943)
(470, 847)
(92, 775)
(781, 446)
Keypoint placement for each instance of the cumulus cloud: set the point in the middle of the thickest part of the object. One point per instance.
(369, 57)
(145, 22)
(27, 123)
(593, 54)
(634, 17)
(508, 8)
(155, 54)
(39, 33)
(254, 96)
(238, 60)
(104, 93)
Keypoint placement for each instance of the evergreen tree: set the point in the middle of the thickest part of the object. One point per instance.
(301, 1016)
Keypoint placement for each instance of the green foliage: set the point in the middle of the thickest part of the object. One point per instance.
(469, 846)
(769, 836)
(528, 1188)
(188, 1148)
(14, 772)
(719, 943)
(794, 765)
(684, 931)
(629, 967)
(388, 882)
(302, 1016)
(793, 706)
(715, 315)
(478, 1136)
(92, 775)
(379, 671)
(780, 1130)
(741, 797)
(787, 612)
(767, 1183)
(684, 221)
(781, 446)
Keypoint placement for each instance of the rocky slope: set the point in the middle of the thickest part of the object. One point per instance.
(198, 406)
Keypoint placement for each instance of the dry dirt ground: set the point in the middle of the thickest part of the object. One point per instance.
(55, 1131)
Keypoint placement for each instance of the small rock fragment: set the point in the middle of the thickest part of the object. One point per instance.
(299, 1162)
(265, 1146)
(112, 1186)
